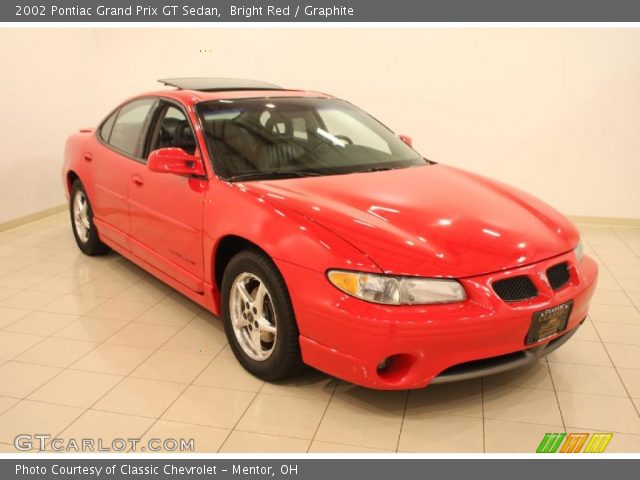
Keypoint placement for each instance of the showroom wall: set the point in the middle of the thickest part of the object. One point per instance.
(555, 112)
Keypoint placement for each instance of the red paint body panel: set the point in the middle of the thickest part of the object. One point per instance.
(431, 221)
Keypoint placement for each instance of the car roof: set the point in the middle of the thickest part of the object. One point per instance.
(190, 91)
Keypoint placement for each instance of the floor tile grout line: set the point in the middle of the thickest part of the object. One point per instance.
(52, 334)
(404, 413)
(525, 387)
(186, 386)
(63, 369)
(519, 422)
(128, 375)
(26, 288)
(288, 436)
(615, 277)
(97, 344)
(624, 385)
(268, 434)
(324, 412)
(555, 394)
(240, 417)
(260, 392)
(595, 327)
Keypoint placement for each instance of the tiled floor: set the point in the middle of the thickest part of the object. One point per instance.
(95, 347)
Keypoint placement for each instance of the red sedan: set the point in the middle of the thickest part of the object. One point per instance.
(322, 238)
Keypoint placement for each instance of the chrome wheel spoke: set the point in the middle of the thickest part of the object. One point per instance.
(258, 303)
(246, 296)
(265, 326)
(256, 343)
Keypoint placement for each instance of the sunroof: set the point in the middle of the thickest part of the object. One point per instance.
(218, 84)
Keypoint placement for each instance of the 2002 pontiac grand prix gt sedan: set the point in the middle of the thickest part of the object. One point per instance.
(322, 238)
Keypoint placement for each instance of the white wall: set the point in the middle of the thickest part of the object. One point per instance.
(555, 112)
(44, 98)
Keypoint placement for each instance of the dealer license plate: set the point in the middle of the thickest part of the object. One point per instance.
(547, 323)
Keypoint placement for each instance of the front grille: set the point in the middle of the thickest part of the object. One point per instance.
(515, 288)
(558, 275)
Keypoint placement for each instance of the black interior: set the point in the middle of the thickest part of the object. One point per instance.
(171, 132)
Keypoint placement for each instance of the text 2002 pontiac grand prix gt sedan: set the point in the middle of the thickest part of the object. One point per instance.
(322, 238)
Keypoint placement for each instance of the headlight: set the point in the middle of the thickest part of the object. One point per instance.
(397, 290)
(579, 251)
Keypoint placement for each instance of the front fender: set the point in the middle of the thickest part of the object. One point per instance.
(282, 233)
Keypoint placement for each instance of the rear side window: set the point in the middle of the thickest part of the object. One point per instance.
(125, 134)
(105, 130)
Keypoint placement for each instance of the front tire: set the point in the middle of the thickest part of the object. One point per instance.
(259, 320)
(84, 230)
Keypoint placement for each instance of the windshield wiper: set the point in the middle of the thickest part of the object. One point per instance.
(384, 169)
(376, 169)
(272, 175)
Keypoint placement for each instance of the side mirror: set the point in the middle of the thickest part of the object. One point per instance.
(406, 139)
(176, 161)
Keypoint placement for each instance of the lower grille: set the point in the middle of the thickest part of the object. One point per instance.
(558, 275)
(502, 363)
(515, 288)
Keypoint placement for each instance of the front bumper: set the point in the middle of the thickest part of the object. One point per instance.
(348, 338)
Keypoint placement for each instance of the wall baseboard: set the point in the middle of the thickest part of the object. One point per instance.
(611, 221)
(18, 222)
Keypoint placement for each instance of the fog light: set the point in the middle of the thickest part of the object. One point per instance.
(384, 364)
(395, 368)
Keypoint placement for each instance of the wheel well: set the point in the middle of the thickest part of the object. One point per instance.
(227, 248)
(71, 177)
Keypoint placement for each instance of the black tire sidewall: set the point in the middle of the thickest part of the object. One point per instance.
(285, 359)
(93, 245)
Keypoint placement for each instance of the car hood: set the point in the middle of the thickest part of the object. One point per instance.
(432, 220)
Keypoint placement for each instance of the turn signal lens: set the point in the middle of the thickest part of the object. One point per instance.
(345, 281)
(397, 290)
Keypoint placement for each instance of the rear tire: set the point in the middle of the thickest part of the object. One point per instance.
(258, 317)
(84, 230)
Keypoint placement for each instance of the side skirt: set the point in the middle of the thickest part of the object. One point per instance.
(210, 299)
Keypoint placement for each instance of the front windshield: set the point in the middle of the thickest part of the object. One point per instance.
(262, 138)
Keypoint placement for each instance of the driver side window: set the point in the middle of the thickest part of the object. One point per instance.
(172, 130)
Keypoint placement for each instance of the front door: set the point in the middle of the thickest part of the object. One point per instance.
(165, 210)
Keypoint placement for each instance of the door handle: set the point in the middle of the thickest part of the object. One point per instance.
(87, 156)
(137, 179)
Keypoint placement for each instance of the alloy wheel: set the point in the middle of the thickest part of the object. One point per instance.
(253, 316)
(81, 216)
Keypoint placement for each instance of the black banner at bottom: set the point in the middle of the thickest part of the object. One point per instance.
(318, 469)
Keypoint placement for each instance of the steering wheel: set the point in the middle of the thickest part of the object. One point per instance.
(164, 137)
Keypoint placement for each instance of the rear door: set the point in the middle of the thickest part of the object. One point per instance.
(165, 210)
(120, 144)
